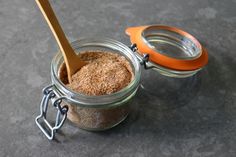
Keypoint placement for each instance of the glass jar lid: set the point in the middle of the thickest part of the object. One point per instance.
(169, 48)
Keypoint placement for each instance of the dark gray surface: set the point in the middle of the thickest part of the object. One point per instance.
(205, 125)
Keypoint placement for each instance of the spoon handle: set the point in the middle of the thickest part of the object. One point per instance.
(55, 27)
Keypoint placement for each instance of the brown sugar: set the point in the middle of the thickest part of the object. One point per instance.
(104, 74)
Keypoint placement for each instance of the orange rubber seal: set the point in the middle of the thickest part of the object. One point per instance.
(136, 37)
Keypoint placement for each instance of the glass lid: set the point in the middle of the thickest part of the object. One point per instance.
(168, 47)
(171, 44)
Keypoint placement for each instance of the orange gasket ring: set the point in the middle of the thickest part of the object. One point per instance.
(136, 37)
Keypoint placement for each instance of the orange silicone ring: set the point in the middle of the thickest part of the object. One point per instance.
(135, 34)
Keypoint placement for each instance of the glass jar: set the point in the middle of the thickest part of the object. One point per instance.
(166, 50)
(88, 112)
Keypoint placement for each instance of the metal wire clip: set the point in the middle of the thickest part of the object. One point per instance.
(49, 131)
(144, 59)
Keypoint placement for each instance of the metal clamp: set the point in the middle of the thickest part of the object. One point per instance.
(48, 94)
(143, 59)
(134, 47)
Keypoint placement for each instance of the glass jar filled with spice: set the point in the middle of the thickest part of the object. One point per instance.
(100, 96)
(101, 107)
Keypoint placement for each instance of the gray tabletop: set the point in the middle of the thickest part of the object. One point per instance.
(176, 118)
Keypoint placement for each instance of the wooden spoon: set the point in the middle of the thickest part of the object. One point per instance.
(72, 60)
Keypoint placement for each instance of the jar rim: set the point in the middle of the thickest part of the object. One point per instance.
(101, 100)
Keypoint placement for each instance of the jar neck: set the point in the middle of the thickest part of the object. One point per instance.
(113, 99)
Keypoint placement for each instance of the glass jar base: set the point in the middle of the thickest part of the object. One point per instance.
(96, 119)
(101, 129)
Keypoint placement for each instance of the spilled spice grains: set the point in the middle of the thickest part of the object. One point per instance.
(104, 74)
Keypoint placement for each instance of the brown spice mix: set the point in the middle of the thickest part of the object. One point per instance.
(105, 73)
